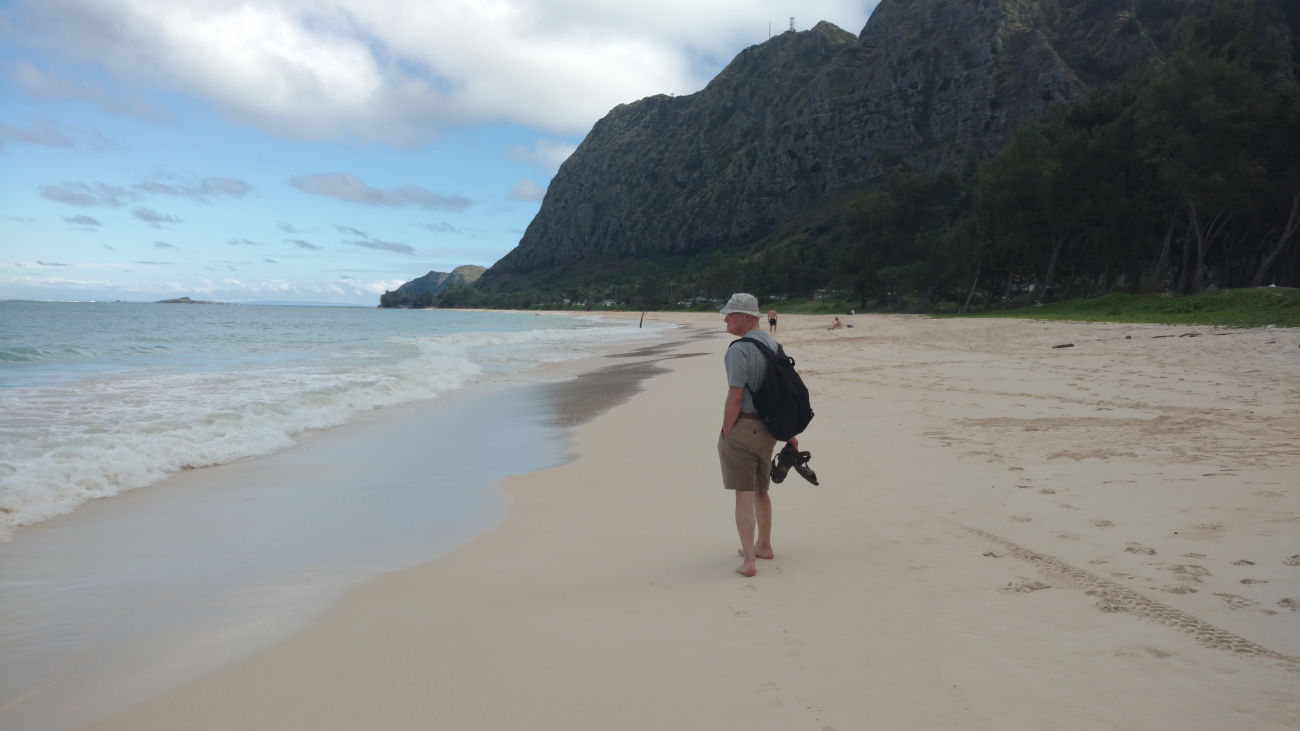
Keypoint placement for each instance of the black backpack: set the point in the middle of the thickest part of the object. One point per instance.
(782, 401)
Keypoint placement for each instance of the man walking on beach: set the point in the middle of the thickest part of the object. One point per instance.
(745, 446)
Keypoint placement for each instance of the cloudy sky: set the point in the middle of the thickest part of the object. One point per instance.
(317, 150)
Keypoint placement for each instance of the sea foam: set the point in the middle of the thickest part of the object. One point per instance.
(106, 432)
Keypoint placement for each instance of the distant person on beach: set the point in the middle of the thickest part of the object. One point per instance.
(745, 446)
(836, 325)
(771, 321)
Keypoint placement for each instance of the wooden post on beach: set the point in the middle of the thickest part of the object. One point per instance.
(639, 324)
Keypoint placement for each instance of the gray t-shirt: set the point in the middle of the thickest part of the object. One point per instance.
(746, 365)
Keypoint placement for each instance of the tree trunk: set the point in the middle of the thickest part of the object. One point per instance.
(1188, 268)
(1006, 293)
(1157, 281)
(1225, 280)
(1058, 243)
(1201, 236)
(1284, 240)
(1206, 234)
(1074, 273)
(965, 307)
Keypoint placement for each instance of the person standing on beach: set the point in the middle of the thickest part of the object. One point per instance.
(745, 446)
(771, 321)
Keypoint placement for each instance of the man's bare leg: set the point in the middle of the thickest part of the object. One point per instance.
(763, 516)
(745, 527)
(763, 512)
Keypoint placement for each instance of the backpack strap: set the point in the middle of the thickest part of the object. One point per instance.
(780, 352)
(762, 348)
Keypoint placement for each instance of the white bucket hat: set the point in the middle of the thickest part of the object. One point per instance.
(745, 304)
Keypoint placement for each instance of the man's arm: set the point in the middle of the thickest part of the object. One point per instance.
(731, 409)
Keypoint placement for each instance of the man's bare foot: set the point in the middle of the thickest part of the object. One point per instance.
(746, 569)
(760, 552)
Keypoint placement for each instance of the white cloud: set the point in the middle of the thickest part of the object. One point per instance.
(89, 194)
(154, 218)
(395, 71)
(44, 133)
(377, 245)
(527, 190)
(352, 189)
(201, 190)
(38, 83)
(543, 153)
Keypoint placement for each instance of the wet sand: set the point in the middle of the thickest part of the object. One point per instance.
(131, 596)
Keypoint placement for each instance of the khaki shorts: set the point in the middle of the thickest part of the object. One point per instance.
(746, 456)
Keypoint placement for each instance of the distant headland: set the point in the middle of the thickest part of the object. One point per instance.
(188, 301)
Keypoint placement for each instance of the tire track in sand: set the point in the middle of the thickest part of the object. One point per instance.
(1112, 597)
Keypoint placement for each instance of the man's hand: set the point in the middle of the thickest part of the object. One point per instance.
(794, 442)
(731, 409)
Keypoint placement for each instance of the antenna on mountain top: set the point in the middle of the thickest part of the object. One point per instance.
(791, 22)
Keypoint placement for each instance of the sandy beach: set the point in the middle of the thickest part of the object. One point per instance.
(1009, 533)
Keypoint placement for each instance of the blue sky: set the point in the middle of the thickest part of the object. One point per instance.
(317, 150)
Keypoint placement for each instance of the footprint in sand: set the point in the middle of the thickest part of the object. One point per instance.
(1103, 523)
(1024, 587)
(1237, 602)
(1243, 562)
(1289, 602)
(1293, 560)
(1112, 597)
(1021, 519)
(1132, 547)
(795, 647)
(1180, 589)
(1202, 532)
(1254, 581)
(1188, 572)
(766, 689)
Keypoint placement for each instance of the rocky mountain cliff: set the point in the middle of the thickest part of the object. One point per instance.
(929, 85)
(435, 282)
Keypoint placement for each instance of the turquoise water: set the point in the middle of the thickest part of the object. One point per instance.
(104, 602)
(100, 398)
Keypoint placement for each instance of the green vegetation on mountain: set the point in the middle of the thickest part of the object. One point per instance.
(954, 157)
(423, 291)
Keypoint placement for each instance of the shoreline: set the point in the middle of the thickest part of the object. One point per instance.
(129, 596)
(1007, 534)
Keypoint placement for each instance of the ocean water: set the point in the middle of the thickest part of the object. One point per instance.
(97, 399)
(110, 594)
